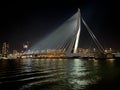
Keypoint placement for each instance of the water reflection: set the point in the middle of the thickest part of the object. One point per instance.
(82, 73)
(60, 74)
(76, 73)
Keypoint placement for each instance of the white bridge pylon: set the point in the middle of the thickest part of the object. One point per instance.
(78, 33)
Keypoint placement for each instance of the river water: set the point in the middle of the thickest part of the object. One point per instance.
(59, 74)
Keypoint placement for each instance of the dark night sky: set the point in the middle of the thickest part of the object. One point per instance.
(22, 21)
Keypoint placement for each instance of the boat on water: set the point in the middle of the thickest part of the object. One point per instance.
(7, 58)
(3, 58)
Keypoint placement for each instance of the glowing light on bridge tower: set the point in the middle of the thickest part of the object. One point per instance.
(78, 32)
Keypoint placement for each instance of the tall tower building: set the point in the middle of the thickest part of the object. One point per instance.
(25, 46)
(5, 49)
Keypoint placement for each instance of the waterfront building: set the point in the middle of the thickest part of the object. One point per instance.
(5, 49)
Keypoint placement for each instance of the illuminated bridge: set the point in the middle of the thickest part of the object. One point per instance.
(63, 42)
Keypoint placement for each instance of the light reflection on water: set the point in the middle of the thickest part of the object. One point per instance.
(59, 74)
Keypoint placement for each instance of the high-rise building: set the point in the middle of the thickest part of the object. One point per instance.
(5, 49)
(25, 46)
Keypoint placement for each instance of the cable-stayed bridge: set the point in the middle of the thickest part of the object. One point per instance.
(64, 41)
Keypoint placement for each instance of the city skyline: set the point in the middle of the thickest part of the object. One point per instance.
(29, 23)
